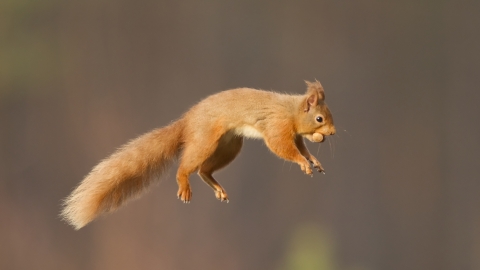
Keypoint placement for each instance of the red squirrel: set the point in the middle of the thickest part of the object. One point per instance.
(207, 138)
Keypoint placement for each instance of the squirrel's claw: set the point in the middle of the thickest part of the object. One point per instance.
(316, 164)
(221, 195)
(306, 169)
(184, 194)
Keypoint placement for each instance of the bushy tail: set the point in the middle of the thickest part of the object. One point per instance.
(123, 175)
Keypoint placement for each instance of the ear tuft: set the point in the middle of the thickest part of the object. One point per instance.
(315, 88)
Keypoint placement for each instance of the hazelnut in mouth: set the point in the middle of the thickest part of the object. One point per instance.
(315, 137)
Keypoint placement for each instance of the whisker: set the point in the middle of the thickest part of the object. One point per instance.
(334, 146)
(342, 129)
(330, 144)
(338, 135)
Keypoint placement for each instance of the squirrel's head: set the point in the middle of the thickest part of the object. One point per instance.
(316, 121)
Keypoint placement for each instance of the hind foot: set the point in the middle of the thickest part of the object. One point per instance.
(184, 194)
(221, 195)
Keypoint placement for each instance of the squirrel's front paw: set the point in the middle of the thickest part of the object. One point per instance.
(305, 167)
(221, 195)
(184, 194)
(316, 164)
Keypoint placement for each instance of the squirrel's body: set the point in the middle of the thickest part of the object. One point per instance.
(208, 136)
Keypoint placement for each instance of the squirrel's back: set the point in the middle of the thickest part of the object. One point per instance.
(241, 107)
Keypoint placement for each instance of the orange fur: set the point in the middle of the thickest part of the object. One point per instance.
(125, 174)
(209, 135)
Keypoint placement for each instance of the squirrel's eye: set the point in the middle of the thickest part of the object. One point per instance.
(319, 119)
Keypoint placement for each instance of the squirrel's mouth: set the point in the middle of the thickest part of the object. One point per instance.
(315, 137)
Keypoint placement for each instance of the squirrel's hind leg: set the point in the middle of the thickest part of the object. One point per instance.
(206, 149)
(194, 154)
(228, 148)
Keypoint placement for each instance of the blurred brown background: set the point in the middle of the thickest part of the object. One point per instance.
(80, 78)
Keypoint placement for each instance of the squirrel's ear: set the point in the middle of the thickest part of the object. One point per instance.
(315, 87)
(314, 93)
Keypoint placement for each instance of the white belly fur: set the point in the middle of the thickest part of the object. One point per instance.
(249, 132)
